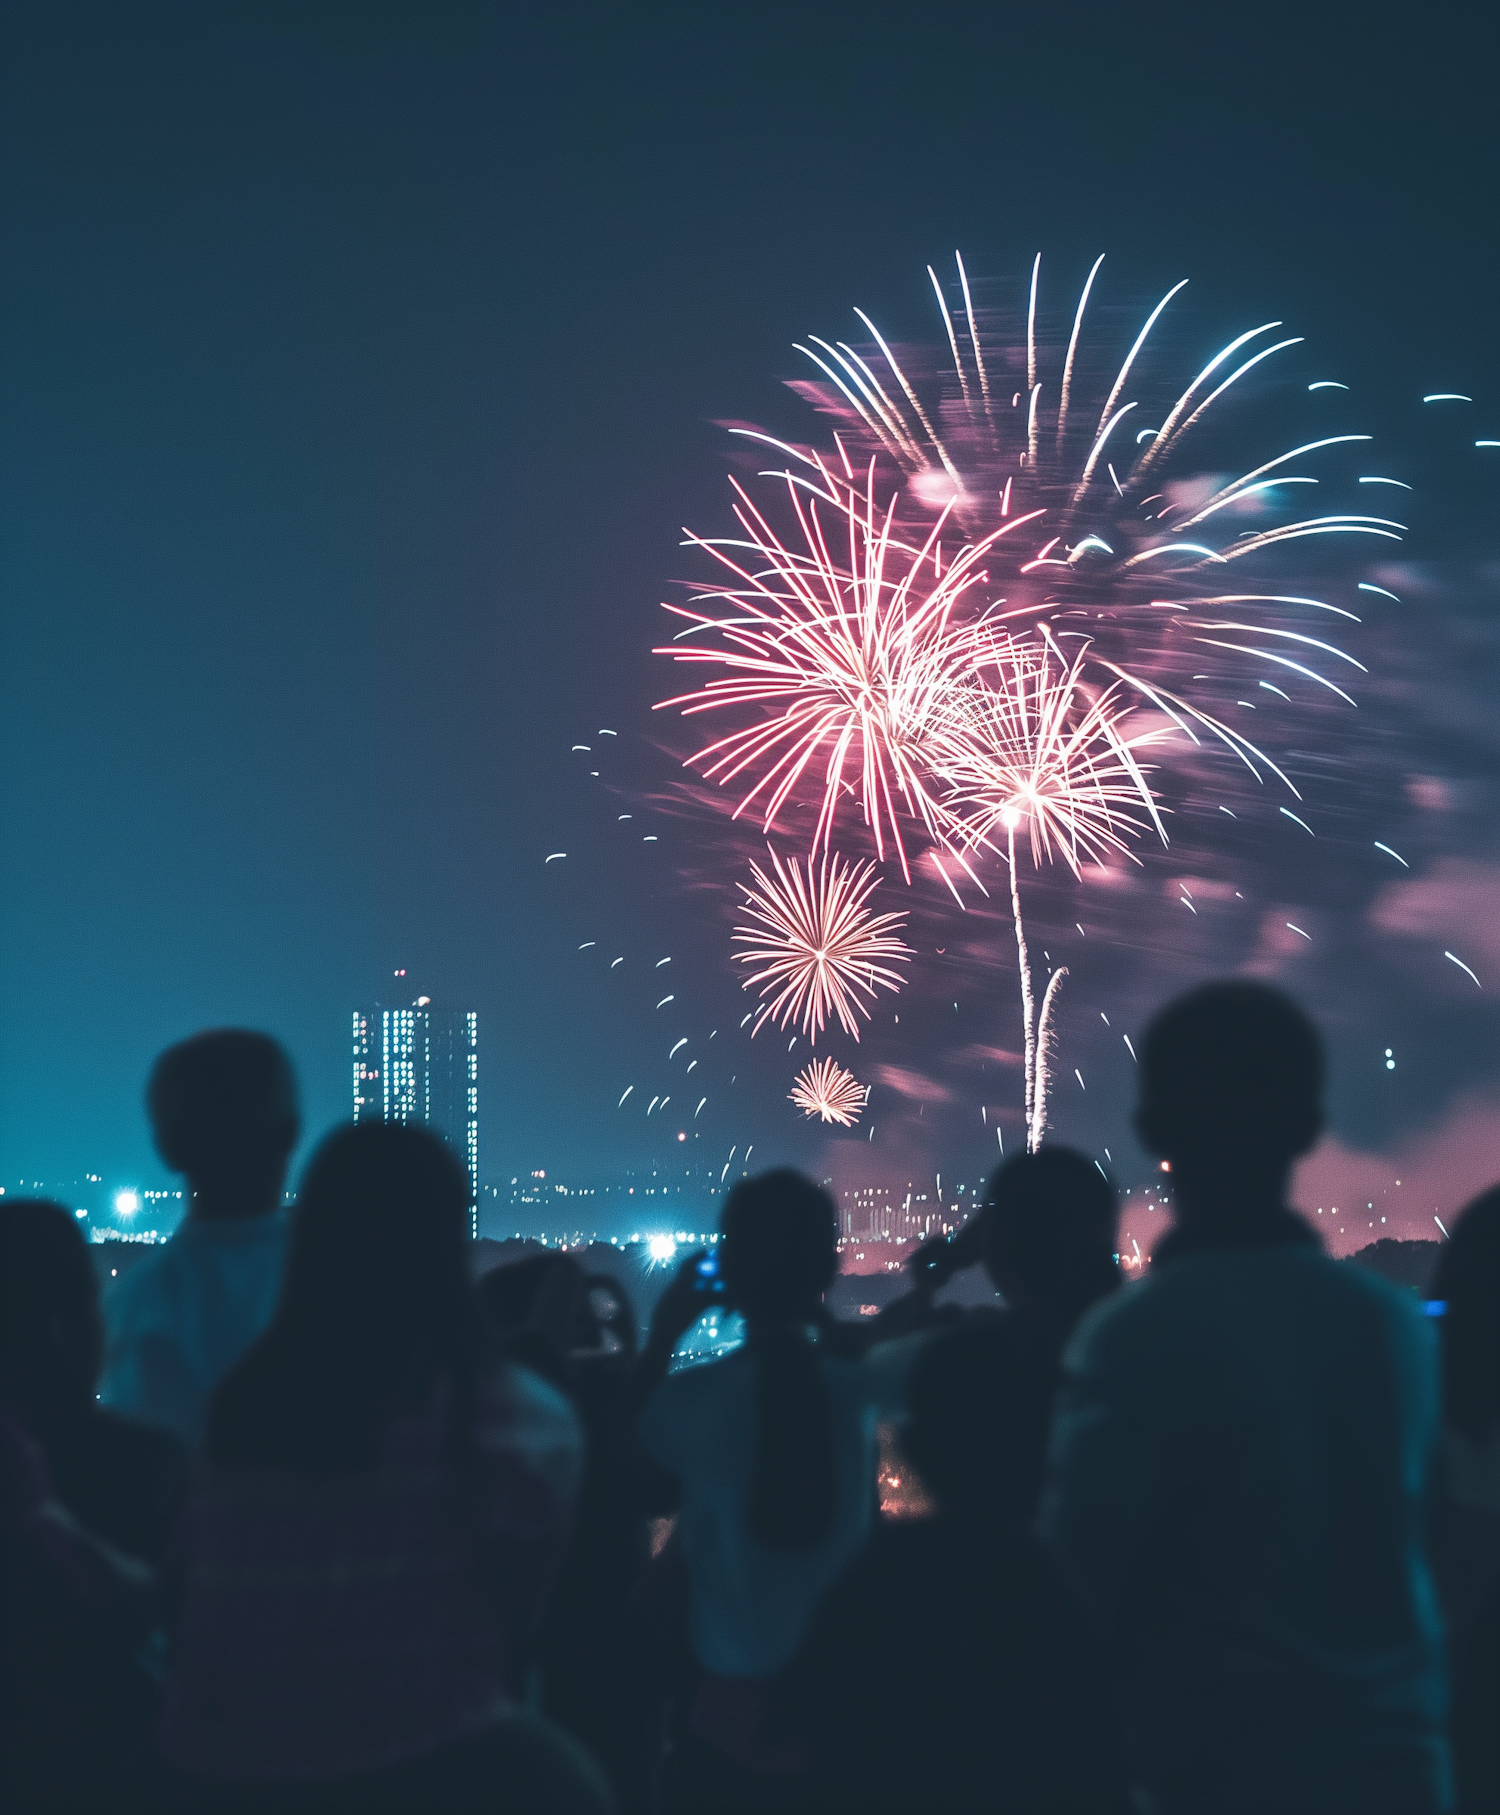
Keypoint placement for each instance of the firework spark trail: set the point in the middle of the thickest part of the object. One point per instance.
(1037, 1125)
(1036, 743)
(825, 1089)
(819, 947)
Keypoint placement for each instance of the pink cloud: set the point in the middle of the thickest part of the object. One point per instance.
(1434, 1173)
(1455, 905)
(992, 1055)
(1429, 792)
(1278, 942)
(911, 1084)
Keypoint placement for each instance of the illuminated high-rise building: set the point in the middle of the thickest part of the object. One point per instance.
(420, 1063)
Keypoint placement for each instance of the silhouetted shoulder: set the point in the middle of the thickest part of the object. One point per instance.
(1205, 1298)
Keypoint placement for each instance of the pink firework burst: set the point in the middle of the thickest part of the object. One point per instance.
(820, 949)
(1178, 576)
(841, 641)
(1029, 740)
(825, 1089)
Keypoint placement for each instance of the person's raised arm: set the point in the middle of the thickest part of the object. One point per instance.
(931, 1267)
(677, 1310)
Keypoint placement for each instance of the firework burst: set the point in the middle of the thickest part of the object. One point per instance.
(1123, 545)
(1029, 742)
(825, 1089)
(820, 949)
(891, 644)
(1123, 533)
(842, 640)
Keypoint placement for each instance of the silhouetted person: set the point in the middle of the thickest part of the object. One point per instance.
(80, 1487)
(223, 1109)
(773, 1447)
(384, 1504)
(949, 1670)
(76, 1701)
(1466, 1533)
(1045, 1230)
(1047, 1236)
(122, 1479)
(1241, 1455)
(577, 1331)
(539, 1307)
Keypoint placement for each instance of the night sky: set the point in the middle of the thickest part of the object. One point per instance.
(361, 364)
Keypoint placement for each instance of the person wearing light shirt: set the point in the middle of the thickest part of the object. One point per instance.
(223, 1109)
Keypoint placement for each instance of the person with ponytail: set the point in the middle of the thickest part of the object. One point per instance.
(773, 1452)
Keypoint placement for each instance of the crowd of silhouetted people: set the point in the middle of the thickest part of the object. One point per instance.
(304, 1517)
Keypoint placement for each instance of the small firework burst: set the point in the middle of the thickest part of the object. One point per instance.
(820, 949)
(825, 1089)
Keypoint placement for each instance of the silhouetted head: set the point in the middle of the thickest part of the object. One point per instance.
(539, 1307)
(976, 1426)
(518, 1291)
(1468, 1280)
(376, 1304)
(1231, 1085)
(223, 1108)
(51, 1334)
(380, 1239)
(777, 1256)
(779, 1250)
(1048, 1230)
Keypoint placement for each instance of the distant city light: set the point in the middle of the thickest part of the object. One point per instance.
(661, 1248)
(127, 1202)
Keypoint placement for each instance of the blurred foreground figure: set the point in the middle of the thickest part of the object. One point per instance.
(1241, 1456)
(383, 1508)
(1045, 1232)
(1466, 1534)
(578, 1332)
(223, 1109)
(773, 1449)
(85, 1495)
(122, 1479)
(1047, 1237)
(949, 1670)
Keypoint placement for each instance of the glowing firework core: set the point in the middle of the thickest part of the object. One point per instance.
(825, 1089)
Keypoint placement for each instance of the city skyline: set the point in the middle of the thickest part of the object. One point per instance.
(419, 1062)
